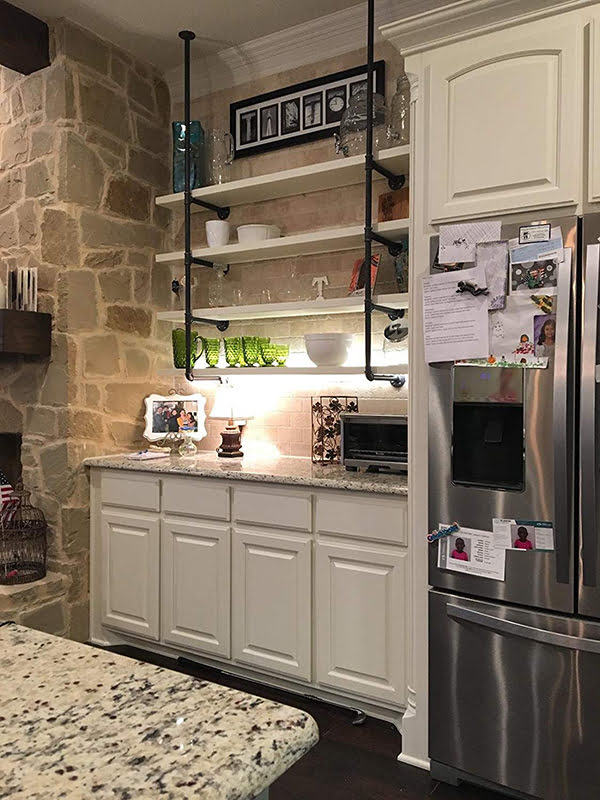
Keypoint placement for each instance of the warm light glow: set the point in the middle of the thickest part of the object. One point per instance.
(231, 403)
(259, 450)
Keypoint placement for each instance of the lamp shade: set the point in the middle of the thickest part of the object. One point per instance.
(231, 404)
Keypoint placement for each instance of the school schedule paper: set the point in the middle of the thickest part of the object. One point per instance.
(455, 324)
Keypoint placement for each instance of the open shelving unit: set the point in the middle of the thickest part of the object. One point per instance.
(390, 164)
(309, 308)
(287, 183)
(328, 240)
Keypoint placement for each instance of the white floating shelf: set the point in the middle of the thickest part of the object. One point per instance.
(214, 373)
(301, 180)
(328, 240)
(340, 305)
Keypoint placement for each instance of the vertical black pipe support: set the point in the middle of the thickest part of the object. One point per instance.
(187, 37)
(369, 186)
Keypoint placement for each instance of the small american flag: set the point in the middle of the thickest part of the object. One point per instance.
(8, 503)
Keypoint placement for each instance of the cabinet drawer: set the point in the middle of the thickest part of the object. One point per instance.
(367, 517)
(260, 506)
(130, 491)
(196, 498)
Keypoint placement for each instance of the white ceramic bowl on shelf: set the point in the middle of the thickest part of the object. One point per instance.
(249, 234)
(328, 349)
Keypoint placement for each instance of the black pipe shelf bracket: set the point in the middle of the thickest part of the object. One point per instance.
(394, 248)
(393, 313)
(394, 181)
(223, 212)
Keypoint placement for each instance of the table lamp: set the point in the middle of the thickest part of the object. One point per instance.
(235, 407)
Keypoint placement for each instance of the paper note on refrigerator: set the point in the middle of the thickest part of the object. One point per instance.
(458, 242)
(493, 257)
(455, 324)
(523, 534)
(472, 552)
(536, 251)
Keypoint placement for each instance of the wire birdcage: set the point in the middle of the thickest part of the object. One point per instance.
(23, 540)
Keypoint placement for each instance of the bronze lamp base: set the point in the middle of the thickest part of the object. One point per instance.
(231, 442)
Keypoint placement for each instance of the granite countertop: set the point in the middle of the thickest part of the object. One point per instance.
(286, 469)
(78, 722)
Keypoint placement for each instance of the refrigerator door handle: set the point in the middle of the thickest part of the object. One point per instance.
(587, 428)
(524, 631)
(562, 515)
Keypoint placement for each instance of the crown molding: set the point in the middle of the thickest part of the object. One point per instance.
(467, 18)
(313, 41)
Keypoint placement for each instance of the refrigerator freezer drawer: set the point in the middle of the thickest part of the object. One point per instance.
(514, 697)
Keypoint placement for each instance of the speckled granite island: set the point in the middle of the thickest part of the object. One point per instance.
(279, 571)
(77, 722)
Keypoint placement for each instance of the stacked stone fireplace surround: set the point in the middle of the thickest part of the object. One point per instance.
(84, 148)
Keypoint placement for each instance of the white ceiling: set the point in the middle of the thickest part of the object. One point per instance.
(148, 28)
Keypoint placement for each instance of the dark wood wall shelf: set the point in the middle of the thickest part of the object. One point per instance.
(25, 333)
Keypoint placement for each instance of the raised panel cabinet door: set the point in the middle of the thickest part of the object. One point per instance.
(505, 120)
(195, 586)
(360, 620)
(271, 593)
(130, 558)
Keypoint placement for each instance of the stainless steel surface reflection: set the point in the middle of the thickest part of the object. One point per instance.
(506, 697)
(531, 581)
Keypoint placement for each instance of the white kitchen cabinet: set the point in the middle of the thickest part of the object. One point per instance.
(130, 561)
(593, 161)
(360, 619)
(271, 577)
(195, 585)
(506, 119)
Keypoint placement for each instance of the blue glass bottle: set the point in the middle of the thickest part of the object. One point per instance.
(197, 171)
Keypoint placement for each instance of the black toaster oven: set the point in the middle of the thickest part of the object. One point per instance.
(376, 442)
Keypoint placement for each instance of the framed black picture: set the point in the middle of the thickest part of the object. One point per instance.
(297, 114)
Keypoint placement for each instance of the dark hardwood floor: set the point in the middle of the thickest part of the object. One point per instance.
(350, 762)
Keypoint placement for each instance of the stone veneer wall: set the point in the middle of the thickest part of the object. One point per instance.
(84, 148)
(283, 421)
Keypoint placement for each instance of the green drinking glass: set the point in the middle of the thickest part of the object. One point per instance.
(178, 337)
(251, 350)
(212, 350)
(233, 350)
(269, 354)
(282, 352)
(262, 340)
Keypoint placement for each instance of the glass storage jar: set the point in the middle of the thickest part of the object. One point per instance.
(399, 127)
(352, 138)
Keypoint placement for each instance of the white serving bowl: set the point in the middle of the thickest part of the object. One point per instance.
(249, 234)
(328, 349)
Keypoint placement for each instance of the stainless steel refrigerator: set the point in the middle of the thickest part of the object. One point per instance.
(514, 665)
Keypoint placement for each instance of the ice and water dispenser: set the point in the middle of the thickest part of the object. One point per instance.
(488, 428)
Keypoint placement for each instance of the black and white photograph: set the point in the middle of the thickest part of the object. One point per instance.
(335, 103)
(312, 110)
(269, 122)
(297, 114)
(356, 87)
(290, 116)
(249, 127)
